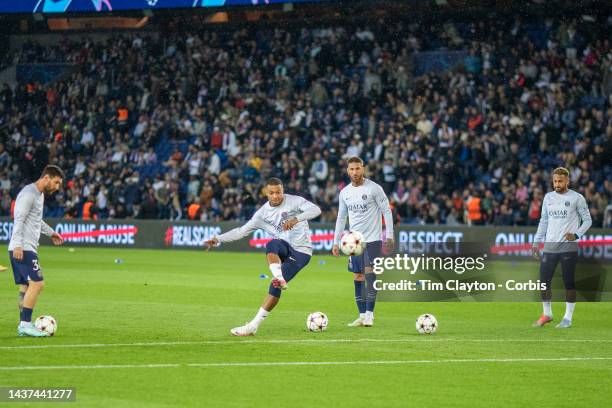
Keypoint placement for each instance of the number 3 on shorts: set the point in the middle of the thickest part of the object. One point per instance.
(35, 265)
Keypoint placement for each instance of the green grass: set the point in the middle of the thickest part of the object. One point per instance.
(190, 300)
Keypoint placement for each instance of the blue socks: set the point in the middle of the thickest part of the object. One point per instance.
(359, 298)
(365, 299)
(26, 314)
(370, 291)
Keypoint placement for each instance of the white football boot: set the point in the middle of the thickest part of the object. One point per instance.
(357, 323)
(247, 330)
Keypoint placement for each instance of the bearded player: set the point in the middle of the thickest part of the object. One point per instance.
(564, 220)
(27, 227)
(365, 204)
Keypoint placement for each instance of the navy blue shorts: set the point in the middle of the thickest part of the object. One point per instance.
(28, 269)
(549, 263)
(292, 261)
(357, 264)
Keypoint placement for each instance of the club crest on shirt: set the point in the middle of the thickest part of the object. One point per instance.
(284, 215)
(567, 203)
(364, 197)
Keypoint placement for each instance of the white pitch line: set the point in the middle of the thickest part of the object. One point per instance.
(297, 341)
(302, 363)
(376, 362)
(88, 367)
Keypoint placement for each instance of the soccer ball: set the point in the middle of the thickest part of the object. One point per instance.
(352, 243)
(317, 322)
(46, 324)
(426, 324)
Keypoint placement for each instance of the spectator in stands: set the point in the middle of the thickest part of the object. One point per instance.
(296, 101)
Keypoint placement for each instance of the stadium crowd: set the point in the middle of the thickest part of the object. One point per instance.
(189, 125)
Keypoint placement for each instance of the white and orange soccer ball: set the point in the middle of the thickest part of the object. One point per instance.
(46, 324)
(352, 243)
(317, 322)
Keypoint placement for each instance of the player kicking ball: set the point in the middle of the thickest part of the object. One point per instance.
(565, 219)
(285, 217)
(365, 203)
(27, 227)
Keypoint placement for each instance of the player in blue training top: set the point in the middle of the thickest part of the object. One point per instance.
(365, 203)
(285, 217)
(23, 246)
(565, 219)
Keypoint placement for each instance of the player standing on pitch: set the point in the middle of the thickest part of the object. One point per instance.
(565, 219)
(22, 248)
(285, 217)
(365, 203)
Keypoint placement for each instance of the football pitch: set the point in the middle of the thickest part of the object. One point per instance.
(153, 330)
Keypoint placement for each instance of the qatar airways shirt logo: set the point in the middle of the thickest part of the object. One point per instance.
(557, 213)
(559, 209)
(360, 204)
(278, 226)
(359, 208)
